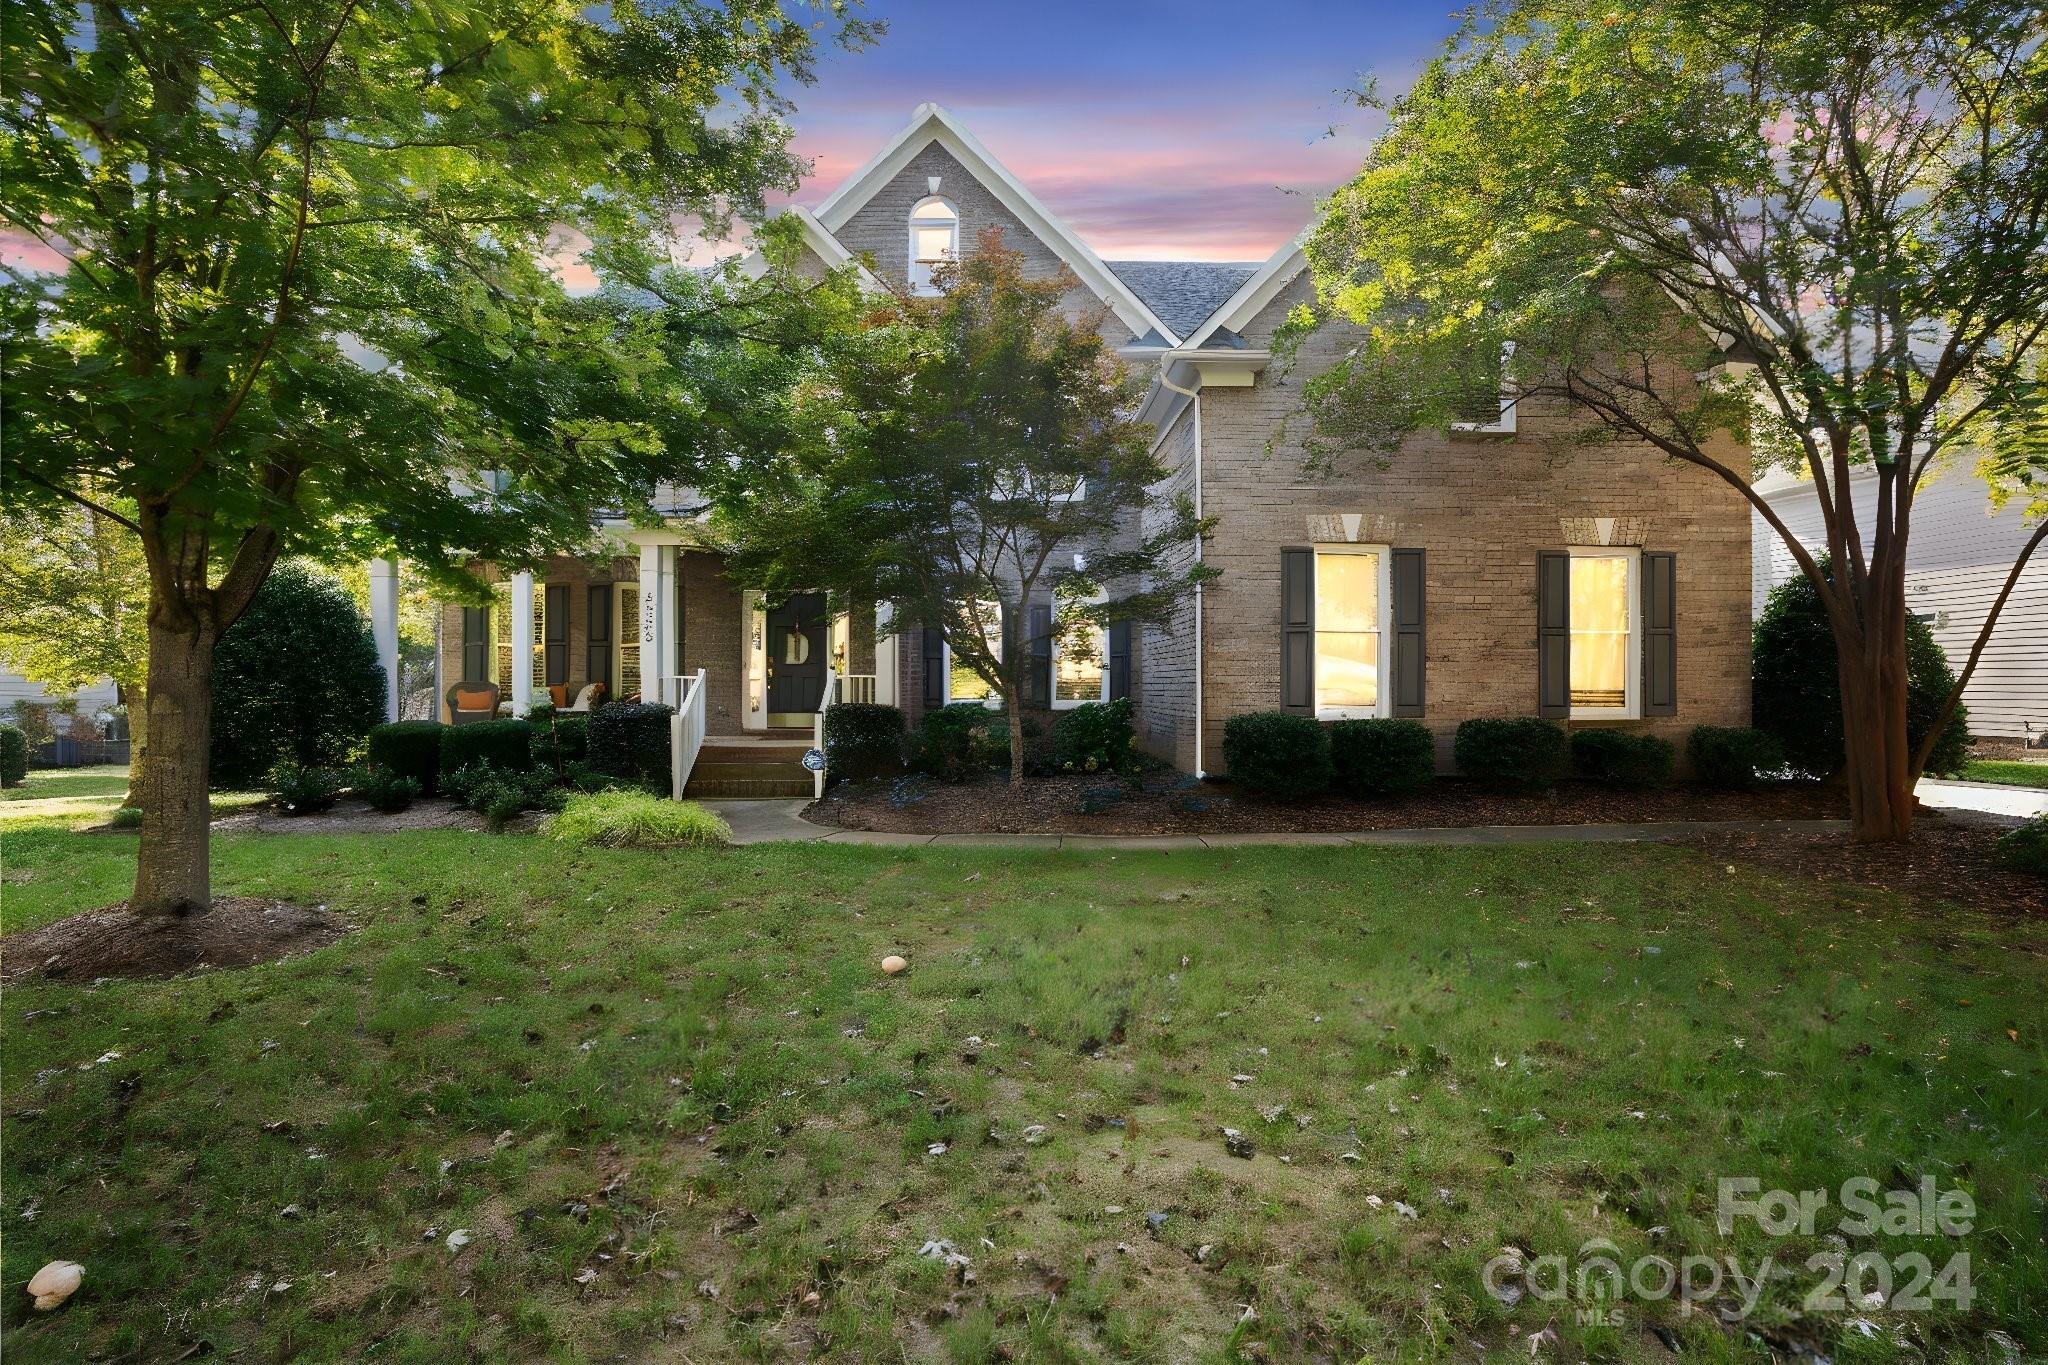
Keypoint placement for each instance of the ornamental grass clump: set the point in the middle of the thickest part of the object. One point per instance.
(636, 819)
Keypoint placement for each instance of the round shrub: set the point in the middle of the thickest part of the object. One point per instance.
(1623, 759)
(409, 748)
(1382, 757)
(301, 791)
(1095, 737)
(633, 819)
(13, 756)
(295, 680)
(1796, 692)
(386, 790)
(954, 743)
(1519, 753)
(631, 739)
(2026, 849)
(863, 741)
(559, 740)
(1733, 757)
(506, 745)
(1278, 754)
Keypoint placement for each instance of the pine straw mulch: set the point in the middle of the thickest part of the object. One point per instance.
(239, 931)
(1952, 859)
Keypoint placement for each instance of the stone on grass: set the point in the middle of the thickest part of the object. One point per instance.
(54, 1283)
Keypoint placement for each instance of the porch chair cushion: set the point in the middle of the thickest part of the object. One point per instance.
(471, 701)
(588, 697)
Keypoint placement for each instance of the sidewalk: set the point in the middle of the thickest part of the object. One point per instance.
(1985, 798)
(763, 822)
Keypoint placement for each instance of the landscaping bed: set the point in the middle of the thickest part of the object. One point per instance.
(1948, 859)
(1173, 805)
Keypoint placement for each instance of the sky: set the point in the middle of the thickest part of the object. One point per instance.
(1192, 130)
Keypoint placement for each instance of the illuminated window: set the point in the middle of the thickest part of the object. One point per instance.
(962, 682)
(503, 643)
(1079, 665)
(1350, 630)
(934, 237)
(1603, 643)
(627, 665)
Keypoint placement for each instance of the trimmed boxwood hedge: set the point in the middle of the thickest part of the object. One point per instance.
(1733, 757)
(409, 748)
(1516, 753)
(631, 739)
(507, 745)
(1279, 754)
(1623, 759)
(1095, 737)
(13, 756)
(1382, 757)
(863, 741)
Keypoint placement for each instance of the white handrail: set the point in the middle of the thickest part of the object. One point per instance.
(825, 699)
(686, 733)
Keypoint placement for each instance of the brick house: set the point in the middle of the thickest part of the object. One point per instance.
(1496, 569)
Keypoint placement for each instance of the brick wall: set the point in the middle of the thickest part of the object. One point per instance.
(713, 639)
(1163, 652)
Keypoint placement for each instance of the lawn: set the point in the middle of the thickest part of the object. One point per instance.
(89, 794)
(2014, 773)
(43, 784)
(668, 1098)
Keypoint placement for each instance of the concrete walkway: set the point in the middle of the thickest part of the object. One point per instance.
(765, 822)
(1985, 798)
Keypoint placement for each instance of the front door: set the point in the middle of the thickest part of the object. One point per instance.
(797, 636)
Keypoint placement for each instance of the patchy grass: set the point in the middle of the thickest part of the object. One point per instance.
(635, 819)
(109, 779)
(669, 1095)
(89, 796)
(2016, 773)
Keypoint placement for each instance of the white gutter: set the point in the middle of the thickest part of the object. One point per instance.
(1194, 397)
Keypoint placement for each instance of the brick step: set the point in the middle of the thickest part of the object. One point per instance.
(785, 771)
(714, 752)
(744, 787)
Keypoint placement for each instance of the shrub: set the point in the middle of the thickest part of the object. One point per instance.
(1732, 757)
(302, 790)
(1623, 759)
(1095, 737)
(2026, 849)
(1277, 754)
(954, 743)
(506, 745)
(631, 739)
(1382, 757)
(295, 680)
(13, 757)
(498, 794)
(1517, 753)
(125, 817)
(631, 819)
(386, 790)
(409, 748)
(863, 741)
(1796, 692)
(560, 740)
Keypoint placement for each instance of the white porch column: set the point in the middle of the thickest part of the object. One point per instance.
(885, 653)
(384, 627)
(522, 643)
(658, 624)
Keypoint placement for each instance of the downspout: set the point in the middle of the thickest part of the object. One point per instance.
(1194, 397)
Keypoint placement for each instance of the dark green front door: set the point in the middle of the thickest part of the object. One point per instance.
(797, 645)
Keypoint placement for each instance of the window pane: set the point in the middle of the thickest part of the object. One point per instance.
(1077, 668)
(540, 636)
(966, 684)
(629, 641)
(962, 682)
(934, 243)
(1600, 633)
(501, 639)
(1347, 669)
(935, 208)
(1347, 592)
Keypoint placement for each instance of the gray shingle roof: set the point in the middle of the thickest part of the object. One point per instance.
(1183, 293)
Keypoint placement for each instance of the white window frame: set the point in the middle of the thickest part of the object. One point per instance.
(991, 701)
(925, 287)
(1632, 656)
(1385, 627)
(626, 600)
(1101, 654)
(1503, 425)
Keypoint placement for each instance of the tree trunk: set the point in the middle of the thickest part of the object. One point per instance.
(171, 873)
(1873, 678)
(1016, 741)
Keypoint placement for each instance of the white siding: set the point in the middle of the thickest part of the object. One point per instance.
(1956, 561)
(14, 688)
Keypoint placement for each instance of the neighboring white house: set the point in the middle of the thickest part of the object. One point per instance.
(15, 688)
(1957, 559)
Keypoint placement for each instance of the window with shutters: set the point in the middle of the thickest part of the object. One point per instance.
(1080, 670)
(934, 237)
(627, 662)
(962, 682)
(1352, 599)
(1606, 654)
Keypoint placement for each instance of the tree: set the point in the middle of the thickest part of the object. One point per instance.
(963, 457)
(1834, 213)
(300, 296)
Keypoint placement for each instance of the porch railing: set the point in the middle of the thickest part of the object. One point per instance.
(849, 687)
(685, 731)
(857, 687)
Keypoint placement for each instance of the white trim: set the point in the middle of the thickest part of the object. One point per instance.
(930, 123)
(1632, 656)
(1053, 664)
(911, 226)
(1384, 628)
(1242, 308)
(993, 701)
(823, 245)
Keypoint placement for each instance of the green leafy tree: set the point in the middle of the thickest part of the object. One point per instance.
(1821, 225)
(962, 456)
(301, 299)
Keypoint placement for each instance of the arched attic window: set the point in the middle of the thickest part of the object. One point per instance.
(934, 237)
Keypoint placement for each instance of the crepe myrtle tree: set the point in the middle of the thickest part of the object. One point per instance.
(288, 290)
(1821, 225)
(961, 457)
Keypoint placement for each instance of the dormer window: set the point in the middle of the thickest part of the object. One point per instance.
(934, 237)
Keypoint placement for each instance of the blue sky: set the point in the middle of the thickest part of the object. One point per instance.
(1199, 130)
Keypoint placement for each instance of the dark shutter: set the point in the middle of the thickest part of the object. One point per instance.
(555, 636)
(1119, 659)
(1553, 633)
(476, 644)
(598, 654)
(1660, 635)
(1297, 629)
(1038, 675)
(1408, 633)
(934, 666)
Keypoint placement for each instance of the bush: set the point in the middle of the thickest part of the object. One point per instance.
(863, 741)
(1796, 693)
(1519, 753)
(506, 745)
(1382, 757)
(409, 748)
(498, 794)
(954, 743)
(1277, 754)
(1095, 737)
(13, 757)
(631, 739)
(125, 817)
(559, 741)
(1623, 759)
(630, 819)
(1732, 757)
(301, 790)
(295, 680)
(2026, 849)
(386, 790)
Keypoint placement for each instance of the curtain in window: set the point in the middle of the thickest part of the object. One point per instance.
(1599, 649)
(1347, 615)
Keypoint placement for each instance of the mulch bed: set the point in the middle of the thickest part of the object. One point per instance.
(1054, 805)
(351, 816)
(1949, 859)
(239, 931)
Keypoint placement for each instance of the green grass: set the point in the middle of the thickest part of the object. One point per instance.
(2014, 773)
(45, 783)
(90, 796)
(673, 1069)
(635, 819)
